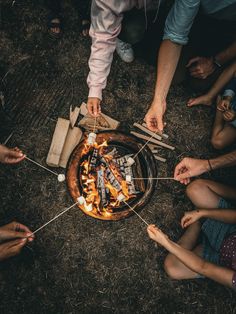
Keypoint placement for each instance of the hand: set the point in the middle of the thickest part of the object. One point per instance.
(15, 230)
(190, 167)
(13, 238)
(229, 115)
(201, 67)
(201, 100)
(11, 248)
(154, 117)
(93, 106)
(223, 104)
(157, 235)
(10, 155)
(190, 217)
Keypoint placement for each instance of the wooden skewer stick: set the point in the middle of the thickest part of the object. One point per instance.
(36, 163)
(160, 134)
(136, 213)
(159, 158)
(51, 220)
(139, 126)
(144, 137)
(161, 178)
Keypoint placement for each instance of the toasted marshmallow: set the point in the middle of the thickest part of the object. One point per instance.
(61, 177)
(121, 197)
(128, 178)
(130, 161)
(89, 207)
(92, 138)
(81, 200)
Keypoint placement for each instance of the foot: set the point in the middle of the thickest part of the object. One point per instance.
(54, 27)
(125, 51)
(85, 27)
(201, 100)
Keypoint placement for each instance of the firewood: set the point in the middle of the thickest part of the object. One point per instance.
(89, 121)
(74, 115)
(112, 123)
(72, 139)
(161, 134)
(139, 126)
(58, 142)
(147, 138)
(159, 158)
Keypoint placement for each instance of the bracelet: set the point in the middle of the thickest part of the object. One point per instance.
(211, 169)
(216, 62)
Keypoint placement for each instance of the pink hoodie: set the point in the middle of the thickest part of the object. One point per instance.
(106, 18)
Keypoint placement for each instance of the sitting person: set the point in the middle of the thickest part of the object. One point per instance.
(13, 236)
(55, 16)
(214, 256)
(224, 129)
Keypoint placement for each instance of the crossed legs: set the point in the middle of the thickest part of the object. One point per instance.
(203, 194)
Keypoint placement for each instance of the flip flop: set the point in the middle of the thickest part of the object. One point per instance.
(52, 25)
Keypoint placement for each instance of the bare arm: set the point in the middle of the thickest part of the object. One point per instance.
(223, 79)
(224, 215)
(191, 260)
(168, 58)
(228, 160)
(199, 265)
(227, 55)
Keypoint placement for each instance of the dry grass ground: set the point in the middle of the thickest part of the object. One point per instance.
(78, 264)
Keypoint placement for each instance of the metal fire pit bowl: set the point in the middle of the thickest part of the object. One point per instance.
(145, 167)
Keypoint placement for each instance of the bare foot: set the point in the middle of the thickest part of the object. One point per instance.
(201, 100)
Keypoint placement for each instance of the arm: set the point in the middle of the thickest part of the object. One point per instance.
(177, 27)
(191, 260)
(191, 167)
(224, 215)
(202, 67)
(105, 27)
(223, 79)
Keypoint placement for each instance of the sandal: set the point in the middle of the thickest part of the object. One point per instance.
(53, 23)
(85, 26)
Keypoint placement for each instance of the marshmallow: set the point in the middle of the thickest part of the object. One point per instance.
(61, 177)
(81, 200)
(130, 161)
(121, 197)
(92, 138)
(89, 207)
(128, 178)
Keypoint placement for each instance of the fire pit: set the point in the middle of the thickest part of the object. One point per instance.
(100, 173)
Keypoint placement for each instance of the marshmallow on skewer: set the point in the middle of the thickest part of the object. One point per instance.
(128, 178)
(61, 177)
(120, 197)
(81, 200)
(130, 161)
(92, 138)
(89, 207)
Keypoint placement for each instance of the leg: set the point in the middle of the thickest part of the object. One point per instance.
(207, 193)
(177, 270)
(223, 134)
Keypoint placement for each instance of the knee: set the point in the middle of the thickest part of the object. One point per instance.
(172, 269)
(195, 188)
(217, 142)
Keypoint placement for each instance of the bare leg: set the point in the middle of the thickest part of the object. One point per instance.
(223, 134)
(207, 193)
(177, 270)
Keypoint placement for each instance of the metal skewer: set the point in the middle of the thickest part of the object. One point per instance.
(136, 212)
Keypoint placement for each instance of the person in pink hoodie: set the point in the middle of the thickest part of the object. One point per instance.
(110, 20)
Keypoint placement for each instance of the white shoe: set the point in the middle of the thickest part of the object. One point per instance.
(125, 51)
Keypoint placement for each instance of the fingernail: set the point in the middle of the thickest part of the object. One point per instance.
(28, 234)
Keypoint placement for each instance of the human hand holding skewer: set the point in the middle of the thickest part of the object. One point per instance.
(10, 155)
(94, 106)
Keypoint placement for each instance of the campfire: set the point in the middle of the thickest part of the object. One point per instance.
(99, 172)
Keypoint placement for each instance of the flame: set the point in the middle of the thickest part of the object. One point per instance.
(89, 181)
